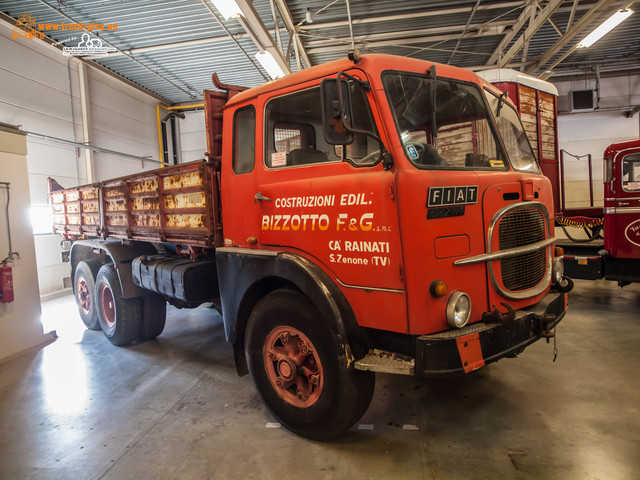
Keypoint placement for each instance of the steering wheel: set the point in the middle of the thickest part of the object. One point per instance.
(419, 148)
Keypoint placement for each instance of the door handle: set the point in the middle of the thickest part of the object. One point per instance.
(259, 196)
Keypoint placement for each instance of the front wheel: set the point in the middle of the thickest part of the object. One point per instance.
(299, 369)
(119, 317)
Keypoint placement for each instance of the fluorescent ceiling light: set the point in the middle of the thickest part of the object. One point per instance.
(609, 24)
(227, 8)
(270, 65)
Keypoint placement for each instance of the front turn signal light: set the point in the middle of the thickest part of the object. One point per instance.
(559, 251)
(438, 289)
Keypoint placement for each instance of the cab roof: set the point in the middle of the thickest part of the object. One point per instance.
(373, 64)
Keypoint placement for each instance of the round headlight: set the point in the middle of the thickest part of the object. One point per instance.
(557, 270)
(458, 309)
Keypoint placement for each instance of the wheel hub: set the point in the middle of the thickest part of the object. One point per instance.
(293, 366)
(107, 306)
(83, 295)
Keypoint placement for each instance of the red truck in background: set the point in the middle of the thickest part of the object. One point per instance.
(611, 249)
(373, 214)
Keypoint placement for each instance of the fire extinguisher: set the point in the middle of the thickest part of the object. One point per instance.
(6, 284)
(6, 274)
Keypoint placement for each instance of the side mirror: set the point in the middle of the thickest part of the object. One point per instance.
(333, 109)
(607, 170)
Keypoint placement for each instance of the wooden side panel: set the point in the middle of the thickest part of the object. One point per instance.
(528, 113)
(174, 204)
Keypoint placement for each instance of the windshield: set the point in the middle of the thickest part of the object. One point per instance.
(443, 124)
(513, 135)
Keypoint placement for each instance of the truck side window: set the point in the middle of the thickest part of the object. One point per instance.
(244, 139)
(631, 173)
(294, 131)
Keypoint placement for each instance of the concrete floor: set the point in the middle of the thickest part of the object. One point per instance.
(175, 409)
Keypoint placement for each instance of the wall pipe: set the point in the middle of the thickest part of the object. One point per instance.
(159, 123)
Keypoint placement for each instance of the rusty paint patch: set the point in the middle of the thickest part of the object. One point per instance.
(148, 220)
(183, 180)
(91, 219)
(185, 200)
(90, 194)
(145, 203)
(117, 220)
(116, 206)
(114, 192)
(90, 207)
(190, 220)
(73, 196)
(144, 186)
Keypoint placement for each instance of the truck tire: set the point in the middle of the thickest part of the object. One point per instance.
(154, 316)
(84, 291)
(120, 318)
(295, 363)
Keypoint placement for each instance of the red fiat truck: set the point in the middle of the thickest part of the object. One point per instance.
(373, 214)
(617, 257)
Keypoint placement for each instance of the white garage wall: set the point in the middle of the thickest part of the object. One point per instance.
(591, 132)
(40, 87)
(193, 139)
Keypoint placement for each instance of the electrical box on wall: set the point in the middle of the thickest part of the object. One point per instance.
(581, 100)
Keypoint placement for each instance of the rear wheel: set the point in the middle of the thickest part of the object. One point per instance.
(154, 315)
(84, 291)
(119, 317)
(295, 363)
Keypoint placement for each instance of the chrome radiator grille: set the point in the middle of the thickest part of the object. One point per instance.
(516, 229)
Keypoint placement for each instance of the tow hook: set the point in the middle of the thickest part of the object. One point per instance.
(545, 331)
(500, 318)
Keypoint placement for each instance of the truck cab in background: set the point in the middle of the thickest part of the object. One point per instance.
(373, 214)
(622, 212)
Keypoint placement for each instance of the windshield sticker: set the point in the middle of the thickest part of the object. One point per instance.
(412, 151)
(497, 163)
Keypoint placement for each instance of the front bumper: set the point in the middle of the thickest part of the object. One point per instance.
(456, 352)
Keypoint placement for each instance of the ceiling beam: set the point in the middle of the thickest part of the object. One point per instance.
(402, 36)
(522, 19)
(293, 31)
(253, 25)
(405, 16)
(575, 30)
(398, 42)
(531, 30)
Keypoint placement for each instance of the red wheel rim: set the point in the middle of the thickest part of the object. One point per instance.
(107, 306)
(84, 295)
(293, 366)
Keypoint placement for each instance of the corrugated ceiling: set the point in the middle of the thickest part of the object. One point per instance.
(463, 33)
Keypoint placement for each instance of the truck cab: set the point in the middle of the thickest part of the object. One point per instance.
(622, 208)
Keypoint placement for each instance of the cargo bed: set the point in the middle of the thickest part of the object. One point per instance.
(177, 204)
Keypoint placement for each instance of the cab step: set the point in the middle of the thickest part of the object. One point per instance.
(386, 362)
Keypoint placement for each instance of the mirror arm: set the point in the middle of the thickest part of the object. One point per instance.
(501, 101)
(387, 161)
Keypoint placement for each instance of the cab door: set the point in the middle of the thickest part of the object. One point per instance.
(622, 209)
(334, 205)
